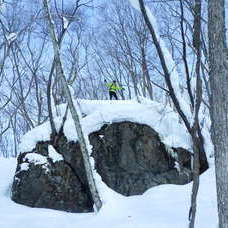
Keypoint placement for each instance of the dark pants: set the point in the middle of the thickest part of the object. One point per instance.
(112, 94)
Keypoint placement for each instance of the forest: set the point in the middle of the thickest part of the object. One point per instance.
(62, 59)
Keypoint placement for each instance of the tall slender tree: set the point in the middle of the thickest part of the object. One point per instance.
(82, 138)
(219, 102)
(194, 129)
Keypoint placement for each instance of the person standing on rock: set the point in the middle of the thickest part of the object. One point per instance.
(113, 88)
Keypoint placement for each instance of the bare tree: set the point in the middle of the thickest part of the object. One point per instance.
(81, 137)
(193, 129)
(25, 60)
(196, 131)
(124, 57)
(18, 82)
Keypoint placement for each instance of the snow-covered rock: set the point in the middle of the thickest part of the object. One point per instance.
(133, 148)
(160, 118)
(44, 180)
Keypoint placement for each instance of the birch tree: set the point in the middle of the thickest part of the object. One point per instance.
(219, 102)
(83, 140)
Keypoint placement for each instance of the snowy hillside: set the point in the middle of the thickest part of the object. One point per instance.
(165, 206)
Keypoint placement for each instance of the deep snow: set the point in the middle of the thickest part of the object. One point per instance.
(165, 206)
(99, 112)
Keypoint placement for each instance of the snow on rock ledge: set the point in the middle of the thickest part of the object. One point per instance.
(97, 113)
(134, 146)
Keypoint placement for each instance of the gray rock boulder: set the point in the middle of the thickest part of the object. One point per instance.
(129, 157)
(40, 182)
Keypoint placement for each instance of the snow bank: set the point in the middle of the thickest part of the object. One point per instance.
(37, 159)
(162, 119)
(160, 207)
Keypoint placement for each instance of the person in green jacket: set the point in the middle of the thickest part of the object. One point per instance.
(113, 88)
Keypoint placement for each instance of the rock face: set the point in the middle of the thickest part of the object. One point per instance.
(40, 182)
(129, 157)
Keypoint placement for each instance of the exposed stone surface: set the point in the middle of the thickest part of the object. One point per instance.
(49, 185)
(129, 157)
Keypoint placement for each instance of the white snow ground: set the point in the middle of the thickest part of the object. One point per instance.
(164, 206)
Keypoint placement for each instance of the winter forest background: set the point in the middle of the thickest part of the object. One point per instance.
(173, 52)
(106, 40)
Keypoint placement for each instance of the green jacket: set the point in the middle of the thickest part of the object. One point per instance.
(113, 87)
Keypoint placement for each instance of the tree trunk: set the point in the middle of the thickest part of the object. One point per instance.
(219, 102)
(164, 64)
(200, 160)
(81, 137)
(196, 128)
(146, 75)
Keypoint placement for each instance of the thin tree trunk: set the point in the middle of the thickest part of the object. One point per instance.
(194, 131)
(196, 128)
(49, 104)
(146, 75)
(219, 102)
(184, 57)
(203, 159)
(81, 137)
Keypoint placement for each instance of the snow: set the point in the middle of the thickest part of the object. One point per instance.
(160, 207)
(65, 23)
(37, 159)
(11, 37)
(24, 167)
(39, 134)
(162, 119)
(53, 154)
(155, 207)
(177, 166)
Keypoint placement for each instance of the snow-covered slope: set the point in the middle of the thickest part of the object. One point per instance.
(164, 206)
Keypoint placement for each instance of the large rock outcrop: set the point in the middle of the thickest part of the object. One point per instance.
(129, 157)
